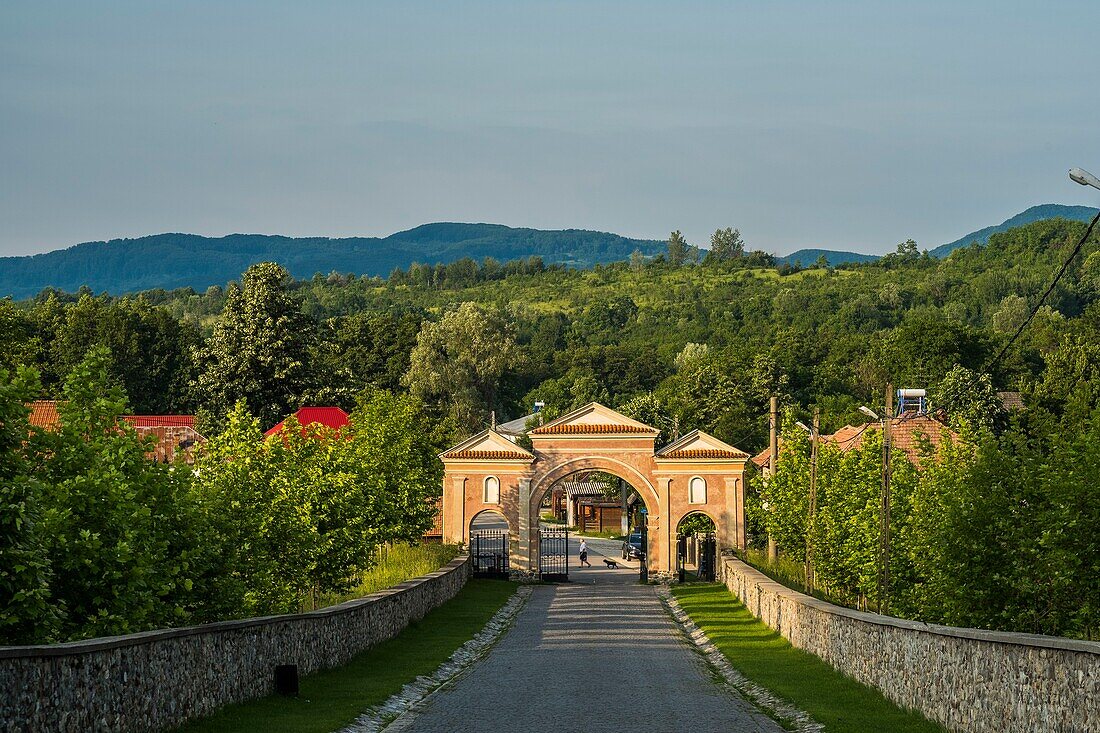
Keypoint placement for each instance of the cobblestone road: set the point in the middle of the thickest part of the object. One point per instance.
(598, 654)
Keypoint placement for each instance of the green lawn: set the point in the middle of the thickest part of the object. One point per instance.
(332, 699)
(840, 703)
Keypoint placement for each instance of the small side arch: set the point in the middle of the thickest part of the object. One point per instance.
(489, 520)
(695, 512)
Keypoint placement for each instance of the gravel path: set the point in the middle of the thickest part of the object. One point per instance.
(588, 656)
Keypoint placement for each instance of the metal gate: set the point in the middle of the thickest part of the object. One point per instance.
(705, 549)
(489, 553)
(553, 554)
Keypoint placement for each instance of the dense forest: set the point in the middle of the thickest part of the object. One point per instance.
(688, 339)
(178, 260)
(830, 337)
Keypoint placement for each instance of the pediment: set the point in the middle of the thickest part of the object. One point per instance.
(488, 445)
(699, 445)
(594, 419)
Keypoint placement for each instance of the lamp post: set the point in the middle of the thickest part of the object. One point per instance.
(1083, 177)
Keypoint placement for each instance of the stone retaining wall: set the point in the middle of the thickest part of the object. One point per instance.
(966, 679)
(159, 679)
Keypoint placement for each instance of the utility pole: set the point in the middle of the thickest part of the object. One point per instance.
(884, 529)
(811, 510)
(773, 463)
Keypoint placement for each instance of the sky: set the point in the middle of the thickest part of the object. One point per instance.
(848, 126)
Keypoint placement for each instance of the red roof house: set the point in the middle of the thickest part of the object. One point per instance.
(44, 414)
(161, 421)
(330, 417)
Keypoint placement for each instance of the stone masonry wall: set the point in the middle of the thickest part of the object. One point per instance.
(157, 680)
(967, 679)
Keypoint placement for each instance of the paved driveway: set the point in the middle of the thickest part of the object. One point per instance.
(597, 654)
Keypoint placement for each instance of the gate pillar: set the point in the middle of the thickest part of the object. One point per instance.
(455, 531)
(524, 557)
(665, 529)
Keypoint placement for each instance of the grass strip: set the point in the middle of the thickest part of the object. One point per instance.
(331, 699)
(396, 564)
(839, 703)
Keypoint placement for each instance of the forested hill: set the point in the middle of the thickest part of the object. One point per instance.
(188, 260)
(806, 257)
(1028, 216)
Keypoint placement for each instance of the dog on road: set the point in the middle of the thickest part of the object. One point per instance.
(611, 564)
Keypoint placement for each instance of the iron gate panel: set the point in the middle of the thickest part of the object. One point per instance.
(553, 554)
(489, 553)
(708, 557)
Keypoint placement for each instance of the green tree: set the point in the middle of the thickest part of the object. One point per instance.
(1011, 314)
(17, 333)
(648, 408)
(150, 350)
(300, 514)
(969, 400)
(26, 613)
(115, 521)
(725, 245)
(457, 365)
(677, 249)
(259, 350)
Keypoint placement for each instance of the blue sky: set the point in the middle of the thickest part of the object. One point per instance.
(845, 126)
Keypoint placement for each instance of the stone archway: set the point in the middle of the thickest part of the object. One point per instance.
(695, 473)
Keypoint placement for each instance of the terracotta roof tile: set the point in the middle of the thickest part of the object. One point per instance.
(44, 414)
(483, 455)
(704, 453)
(907, 434)
(594, 428)
(152, 421)
(171, 441)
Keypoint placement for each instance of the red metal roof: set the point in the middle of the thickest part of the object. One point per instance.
(330, 417)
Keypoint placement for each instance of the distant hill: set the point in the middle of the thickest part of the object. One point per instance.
(808, 257)
(180, 260)
(1035, 213)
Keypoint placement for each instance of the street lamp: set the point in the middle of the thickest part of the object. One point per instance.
(1083, 177)
(869, 412)
(804, 426)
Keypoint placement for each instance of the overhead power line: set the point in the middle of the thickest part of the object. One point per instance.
(1053, 283)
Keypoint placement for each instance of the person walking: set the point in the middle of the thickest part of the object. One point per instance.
(584, 554)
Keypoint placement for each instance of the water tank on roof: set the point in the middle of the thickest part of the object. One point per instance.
(912, 400)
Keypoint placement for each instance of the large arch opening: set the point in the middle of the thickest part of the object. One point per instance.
(605, 506)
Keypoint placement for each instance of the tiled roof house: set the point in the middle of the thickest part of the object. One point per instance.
(907, 432)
